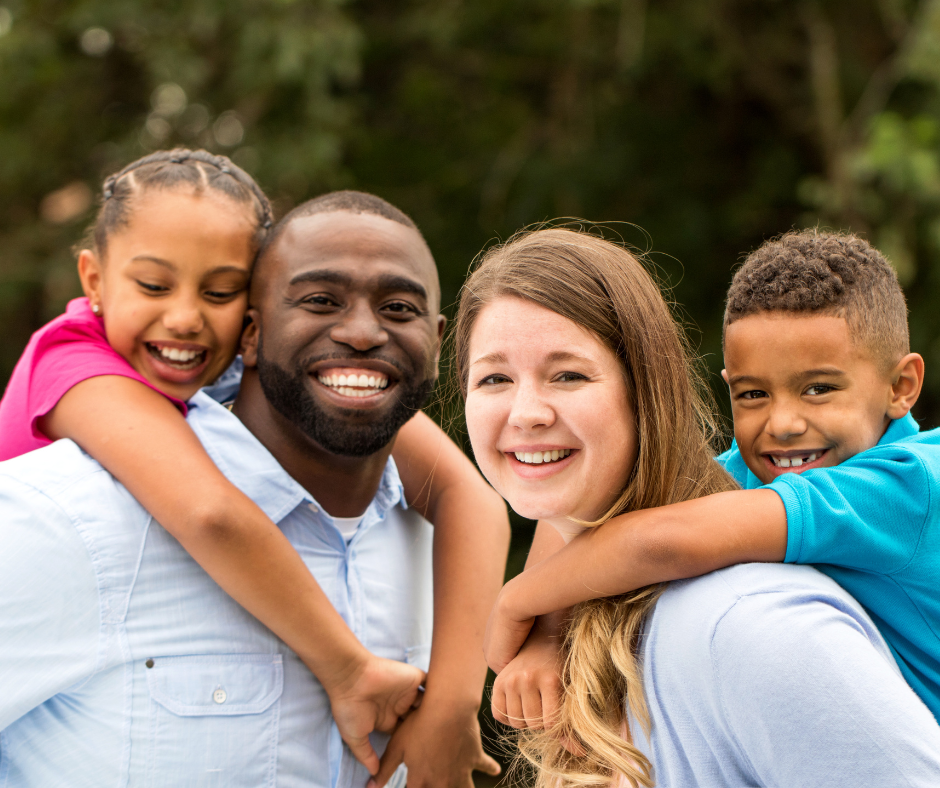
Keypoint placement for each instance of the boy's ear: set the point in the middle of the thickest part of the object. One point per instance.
(90, 274)
(251, 334)
(724, 375)
(907, 378)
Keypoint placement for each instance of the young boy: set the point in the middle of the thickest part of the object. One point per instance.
(834, 468)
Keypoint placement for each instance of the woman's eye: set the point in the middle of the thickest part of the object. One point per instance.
(819, 389)
(570, 377)
(492, 380)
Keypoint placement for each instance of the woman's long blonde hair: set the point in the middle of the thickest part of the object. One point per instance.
(602, 287)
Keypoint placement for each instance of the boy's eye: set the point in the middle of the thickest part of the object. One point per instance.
(752, 394)
(819, 389)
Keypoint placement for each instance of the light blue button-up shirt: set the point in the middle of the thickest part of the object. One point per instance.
(123, 663)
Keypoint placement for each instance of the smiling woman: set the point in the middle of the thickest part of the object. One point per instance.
(564, 344)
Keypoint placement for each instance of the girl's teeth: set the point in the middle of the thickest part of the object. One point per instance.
(539, 457)
(176, 354)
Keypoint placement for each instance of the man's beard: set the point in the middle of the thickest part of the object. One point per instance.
(289, 394)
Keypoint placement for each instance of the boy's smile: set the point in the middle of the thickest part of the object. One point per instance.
(804, 394)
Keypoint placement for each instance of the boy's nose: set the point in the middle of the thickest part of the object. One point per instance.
(359, 328)
(530, 410)
(785, 422)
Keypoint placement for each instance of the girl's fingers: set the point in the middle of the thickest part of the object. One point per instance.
(531, 701)
(498, 704)
(514, 711)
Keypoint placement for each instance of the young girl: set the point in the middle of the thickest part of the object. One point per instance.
(166, 279)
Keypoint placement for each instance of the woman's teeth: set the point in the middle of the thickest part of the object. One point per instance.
(539, 457)
(794, 462)
(355, 385)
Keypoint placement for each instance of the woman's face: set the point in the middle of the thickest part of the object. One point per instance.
(549, 413)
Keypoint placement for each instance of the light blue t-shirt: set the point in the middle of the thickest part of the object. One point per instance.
(772, 675)
(872, 524)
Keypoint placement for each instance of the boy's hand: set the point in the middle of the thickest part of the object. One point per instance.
(505, 631)
(440, 745)
(528, 692)
(373, 696)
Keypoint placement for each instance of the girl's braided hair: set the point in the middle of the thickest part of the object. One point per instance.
(167, 169)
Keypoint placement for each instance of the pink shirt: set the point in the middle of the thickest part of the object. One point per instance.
(65, 351)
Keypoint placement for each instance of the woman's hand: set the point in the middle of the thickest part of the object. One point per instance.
(528, 691)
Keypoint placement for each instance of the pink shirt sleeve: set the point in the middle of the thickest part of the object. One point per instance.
(66, 351)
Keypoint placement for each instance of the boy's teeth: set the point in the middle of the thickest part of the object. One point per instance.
(355, 385)
(539, 457)
(794, 462)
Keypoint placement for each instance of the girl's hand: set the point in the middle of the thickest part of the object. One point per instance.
(505, 632)
(373, 696)
(528, 692)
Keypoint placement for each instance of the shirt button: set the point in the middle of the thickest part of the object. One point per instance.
(313, 507)
(219, 695)
(149, 663)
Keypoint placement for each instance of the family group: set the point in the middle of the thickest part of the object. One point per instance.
(234, 551)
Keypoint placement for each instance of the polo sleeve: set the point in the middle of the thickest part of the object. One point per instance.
(50, 630)
(867, 513)
(811, 697)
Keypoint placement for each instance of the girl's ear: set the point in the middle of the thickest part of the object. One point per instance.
(250, 336)
(89, 271)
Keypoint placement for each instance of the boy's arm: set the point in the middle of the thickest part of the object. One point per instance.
(638, 549)
(141, 438)
(440, 742)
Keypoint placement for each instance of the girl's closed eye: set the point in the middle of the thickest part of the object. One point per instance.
(153, 288)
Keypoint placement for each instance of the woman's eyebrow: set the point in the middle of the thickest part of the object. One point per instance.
(490, 358)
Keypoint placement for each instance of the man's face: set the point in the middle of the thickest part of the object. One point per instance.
(348, 328)
(803, 394)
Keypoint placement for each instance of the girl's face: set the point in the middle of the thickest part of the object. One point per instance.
(548, 413)
(174, 287)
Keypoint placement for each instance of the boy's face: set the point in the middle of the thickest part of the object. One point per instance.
(803, 393)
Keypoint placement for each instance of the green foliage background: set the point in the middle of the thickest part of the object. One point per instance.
(694, 129)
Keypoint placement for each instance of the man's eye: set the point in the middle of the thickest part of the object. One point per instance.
(320, 301)
(819, 389)
(752, 394)
(399, 309)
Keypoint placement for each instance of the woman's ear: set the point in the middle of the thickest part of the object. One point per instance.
(907, 378)
(91, 275)
(251, 335)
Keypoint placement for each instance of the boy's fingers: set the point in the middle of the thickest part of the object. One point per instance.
(361, 748)
(391, 760)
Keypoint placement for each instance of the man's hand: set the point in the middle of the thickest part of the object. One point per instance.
(440, 745)
(505, 631)
(528, 692)
(373, 696)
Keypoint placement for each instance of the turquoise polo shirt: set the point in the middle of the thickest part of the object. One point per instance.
(873, 525)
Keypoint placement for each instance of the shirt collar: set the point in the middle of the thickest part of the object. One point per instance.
(899, 429)
(253, 469)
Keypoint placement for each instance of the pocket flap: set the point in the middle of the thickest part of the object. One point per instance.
(216, 684)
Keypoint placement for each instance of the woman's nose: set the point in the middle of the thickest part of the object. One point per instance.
(359, 328)
(183, 317)
(530, 409)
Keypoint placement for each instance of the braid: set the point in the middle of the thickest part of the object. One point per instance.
(167, 169)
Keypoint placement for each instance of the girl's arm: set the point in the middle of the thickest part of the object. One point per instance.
(141, 438)
(441, 745)
(638, 549)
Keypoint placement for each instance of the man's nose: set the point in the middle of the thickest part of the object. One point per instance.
(530, 408)
(183, 316)
(785, 421)
(359, 328)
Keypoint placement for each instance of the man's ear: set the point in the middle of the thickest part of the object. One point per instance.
(90, 274)
(907, 378)
(251, 336)
(441, 325)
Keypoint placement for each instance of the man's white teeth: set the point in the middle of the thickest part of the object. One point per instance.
(355, 385)
(793, 462)
(539, 457)
(176, 354)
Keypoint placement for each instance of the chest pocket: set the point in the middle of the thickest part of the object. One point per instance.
(214, 720)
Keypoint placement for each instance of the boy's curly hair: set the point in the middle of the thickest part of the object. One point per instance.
(826, 273)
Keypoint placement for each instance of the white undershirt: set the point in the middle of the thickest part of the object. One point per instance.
(348, 525)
